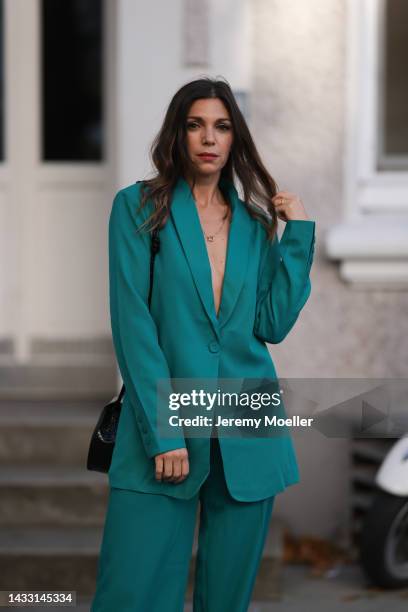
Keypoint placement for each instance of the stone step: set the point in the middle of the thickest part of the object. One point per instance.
(52, 495)
(56, 496)
(41, 558)
(51, 558)
(47, 431)
(86, 380)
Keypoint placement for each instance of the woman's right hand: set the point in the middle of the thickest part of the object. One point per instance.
(172, 466)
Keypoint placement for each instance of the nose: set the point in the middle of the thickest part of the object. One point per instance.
(208, 137)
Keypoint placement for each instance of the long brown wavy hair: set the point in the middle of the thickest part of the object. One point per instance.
(170, 157)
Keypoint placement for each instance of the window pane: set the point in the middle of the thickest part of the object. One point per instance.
(72, 80)
(1, 81)
(395, 112)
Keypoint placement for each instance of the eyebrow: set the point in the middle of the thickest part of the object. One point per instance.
(200, 118)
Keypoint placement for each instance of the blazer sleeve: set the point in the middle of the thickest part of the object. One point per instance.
(140, 358)
(283, 282)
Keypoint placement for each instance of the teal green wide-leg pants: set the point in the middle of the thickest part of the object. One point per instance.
(147, 546)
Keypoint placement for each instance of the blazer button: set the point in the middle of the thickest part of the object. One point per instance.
(214, 347)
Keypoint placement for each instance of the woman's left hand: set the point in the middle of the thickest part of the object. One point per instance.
(289, 206)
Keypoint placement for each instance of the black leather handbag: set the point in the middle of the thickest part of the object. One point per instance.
(104, 435)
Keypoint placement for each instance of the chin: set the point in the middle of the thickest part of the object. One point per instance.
(205, 172)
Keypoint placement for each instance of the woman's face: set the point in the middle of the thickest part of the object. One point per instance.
(209, 130)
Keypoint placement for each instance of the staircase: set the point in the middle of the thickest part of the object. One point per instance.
(52, 508)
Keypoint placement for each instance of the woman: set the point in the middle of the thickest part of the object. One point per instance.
(224, 285)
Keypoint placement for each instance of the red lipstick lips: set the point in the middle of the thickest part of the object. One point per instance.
(207, 155)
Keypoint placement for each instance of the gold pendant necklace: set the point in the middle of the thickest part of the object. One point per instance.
(210, 237)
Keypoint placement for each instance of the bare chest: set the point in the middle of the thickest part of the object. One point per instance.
(217, 254)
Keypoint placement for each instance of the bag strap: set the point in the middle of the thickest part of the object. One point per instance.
(154, 249)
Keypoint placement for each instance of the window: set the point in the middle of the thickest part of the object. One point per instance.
(2, 118)
(370, 242)
(393, 146)
(72, 80)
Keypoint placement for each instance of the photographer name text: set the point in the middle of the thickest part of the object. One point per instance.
(255, 422)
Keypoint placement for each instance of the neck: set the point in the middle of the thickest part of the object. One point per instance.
(206, 191)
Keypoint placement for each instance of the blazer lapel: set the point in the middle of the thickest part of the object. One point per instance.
(187, 223)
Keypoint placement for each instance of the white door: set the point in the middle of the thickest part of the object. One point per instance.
(56, 174)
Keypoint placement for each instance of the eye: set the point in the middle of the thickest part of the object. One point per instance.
(223, 126)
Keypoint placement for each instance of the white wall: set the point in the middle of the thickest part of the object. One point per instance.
(150, 69)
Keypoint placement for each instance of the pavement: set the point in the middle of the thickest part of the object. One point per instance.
(341, 589)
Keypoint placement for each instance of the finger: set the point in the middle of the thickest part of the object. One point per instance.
(285, 204)
(168, 468)
(279, 197)
(284, 198)
(279, 200)
(185, 468)
(159, 468)
(176, 469)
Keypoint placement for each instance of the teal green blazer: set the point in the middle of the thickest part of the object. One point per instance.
(266, 284)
